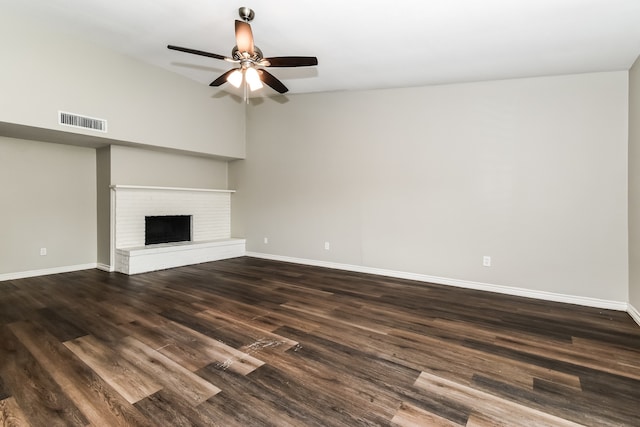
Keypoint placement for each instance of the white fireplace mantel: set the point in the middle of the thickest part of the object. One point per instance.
(145, 187)
(210, 210)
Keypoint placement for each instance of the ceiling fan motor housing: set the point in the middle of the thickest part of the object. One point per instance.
(238, 56)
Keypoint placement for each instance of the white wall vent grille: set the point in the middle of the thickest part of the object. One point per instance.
(83, 122)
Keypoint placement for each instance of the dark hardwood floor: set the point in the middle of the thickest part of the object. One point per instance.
(250, 342)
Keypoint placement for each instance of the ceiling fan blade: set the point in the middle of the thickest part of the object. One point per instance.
(198, 52)
(244, 37)
(223, 78)
(270, 80)
(292, 61)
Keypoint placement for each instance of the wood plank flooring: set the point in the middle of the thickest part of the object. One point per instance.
(250, 342)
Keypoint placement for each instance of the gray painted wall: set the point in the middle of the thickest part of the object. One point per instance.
(43, 72)
(532, 172)
(47, 200)
(134, 166)
(634, 185)
(103, 194)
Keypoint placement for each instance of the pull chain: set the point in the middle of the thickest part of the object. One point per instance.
(246, 91)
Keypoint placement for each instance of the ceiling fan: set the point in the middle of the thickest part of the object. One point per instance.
(251, 62)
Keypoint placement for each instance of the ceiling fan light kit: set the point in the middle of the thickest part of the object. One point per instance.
(251, 62)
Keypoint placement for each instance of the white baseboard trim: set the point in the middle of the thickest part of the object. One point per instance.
(46, 271)
(509, 290)
(528, 293)
(634, 313)
(105, 267)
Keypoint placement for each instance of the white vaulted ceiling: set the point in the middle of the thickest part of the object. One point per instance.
(363, 44)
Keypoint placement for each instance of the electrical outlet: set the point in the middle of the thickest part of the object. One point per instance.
(327, 246)
(43, 251)
(486, 261)
(266, 240)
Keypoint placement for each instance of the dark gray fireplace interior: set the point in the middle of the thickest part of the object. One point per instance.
(167, 229)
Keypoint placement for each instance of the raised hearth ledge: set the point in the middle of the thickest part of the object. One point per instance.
(144, 187)
(169, 255)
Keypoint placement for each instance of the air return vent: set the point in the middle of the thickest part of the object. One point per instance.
(79, 121)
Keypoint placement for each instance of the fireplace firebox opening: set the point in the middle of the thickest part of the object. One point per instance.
(167, 229)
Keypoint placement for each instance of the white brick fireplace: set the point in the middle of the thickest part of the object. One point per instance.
(209, 209)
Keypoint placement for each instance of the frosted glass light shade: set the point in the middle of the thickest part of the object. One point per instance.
(253, 79)
(235, 78)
